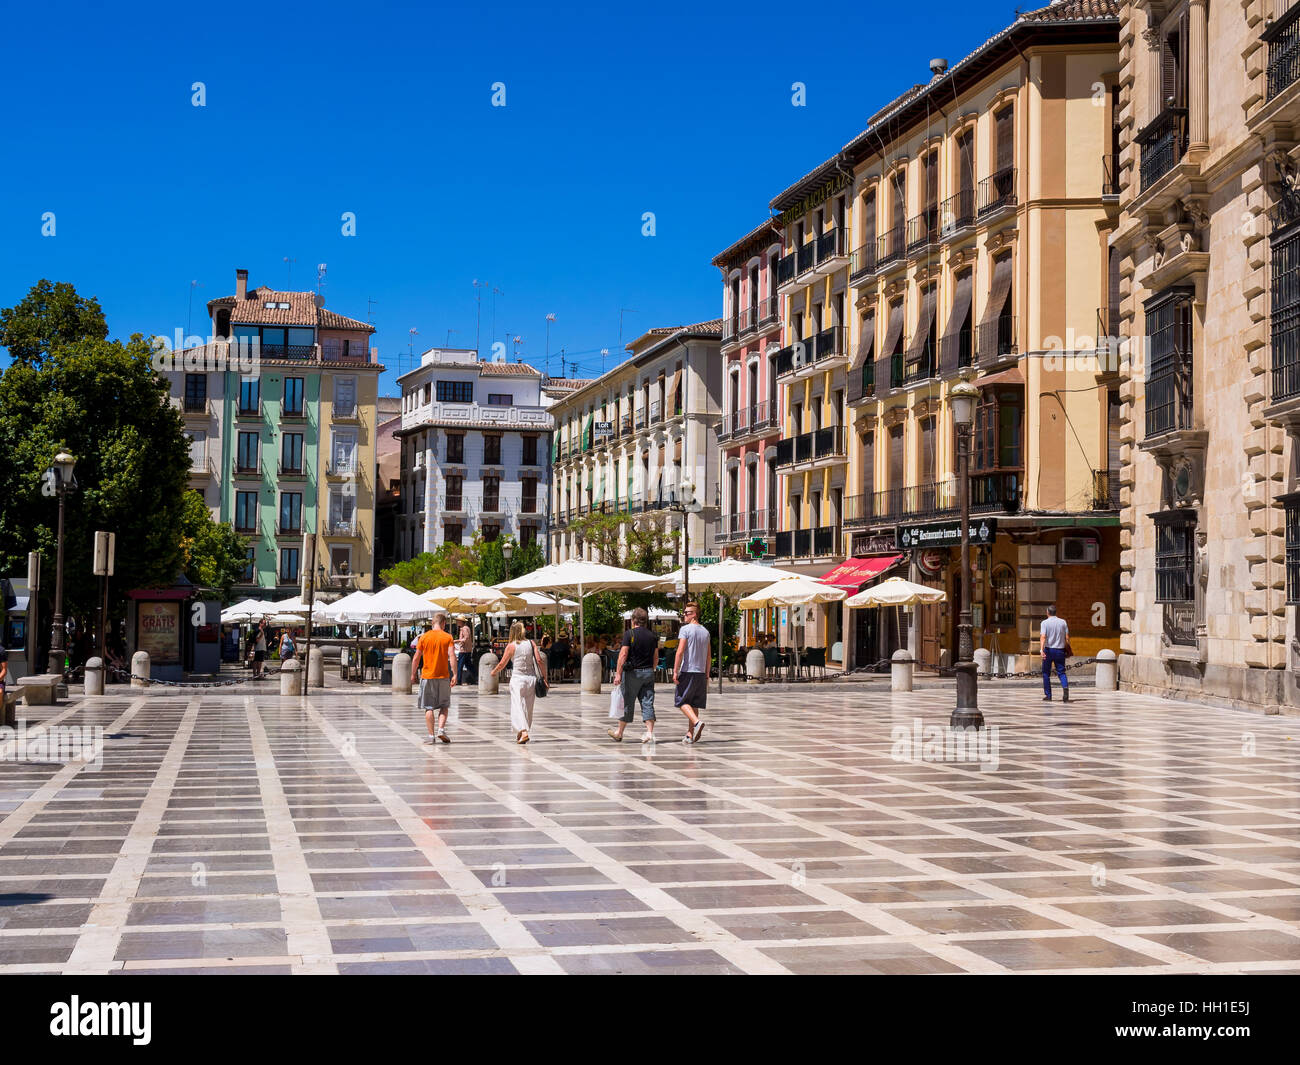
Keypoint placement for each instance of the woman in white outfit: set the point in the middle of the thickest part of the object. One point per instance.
(528, 664)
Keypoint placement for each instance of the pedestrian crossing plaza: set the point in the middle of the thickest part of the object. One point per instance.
(817, 828)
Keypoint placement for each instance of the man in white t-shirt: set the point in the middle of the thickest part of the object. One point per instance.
(691, 671)
(1054, 636)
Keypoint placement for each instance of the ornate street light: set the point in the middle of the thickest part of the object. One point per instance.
(962, 397)
(684, 505)
(59, 478)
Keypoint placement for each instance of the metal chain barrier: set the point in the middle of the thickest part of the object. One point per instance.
(128, 676)
(948, 671)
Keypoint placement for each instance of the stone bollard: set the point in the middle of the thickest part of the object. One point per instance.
(140, 669)
(316, 668)
(488, 684)
(402, 674)
(291, 677)
(983, 658)
(945, 658)
(94, 676)
(592, 670)
(900, 671)
(755, 666)
(1107, 675)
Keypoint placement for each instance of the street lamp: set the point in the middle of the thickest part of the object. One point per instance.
(507, 552)
(962, 397)
(684, 504)
(60, 474)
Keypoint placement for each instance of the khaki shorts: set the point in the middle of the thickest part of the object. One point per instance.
(435, 693)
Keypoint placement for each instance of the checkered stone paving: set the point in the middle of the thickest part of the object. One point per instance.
(233, 831)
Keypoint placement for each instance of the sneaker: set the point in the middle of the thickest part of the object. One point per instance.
(697, 731)
(442, 735)
(428, 739)
(1047, 698)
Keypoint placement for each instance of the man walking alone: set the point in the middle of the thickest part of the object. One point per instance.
(691, 671)
(435, 658)
(640, 658)
(1054, 635)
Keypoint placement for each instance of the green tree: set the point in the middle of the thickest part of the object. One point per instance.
(450, 564)
(213, 552)
(492, 560)
(48, 317)
(102, 401)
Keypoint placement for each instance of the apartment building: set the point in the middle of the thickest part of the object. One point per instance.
(963, 233)
(750, 429)
(1208, 243)
(280, 411)
(475, 445)
(629, 441)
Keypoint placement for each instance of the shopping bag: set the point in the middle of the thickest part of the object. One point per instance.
(616, 708)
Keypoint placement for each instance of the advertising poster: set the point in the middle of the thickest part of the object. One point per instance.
(158, 631)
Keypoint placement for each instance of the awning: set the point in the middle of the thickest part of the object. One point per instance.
(855, 572)
(1012, 376)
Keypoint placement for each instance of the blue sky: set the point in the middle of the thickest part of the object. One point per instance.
(385, 110)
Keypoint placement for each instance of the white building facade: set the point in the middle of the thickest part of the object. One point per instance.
(475, 452)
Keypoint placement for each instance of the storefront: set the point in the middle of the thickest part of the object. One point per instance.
(865, 635)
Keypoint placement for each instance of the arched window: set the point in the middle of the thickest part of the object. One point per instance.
(1004, 597)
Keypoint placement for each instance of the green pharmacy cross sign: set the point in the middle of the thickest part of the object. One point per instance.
(757, 547)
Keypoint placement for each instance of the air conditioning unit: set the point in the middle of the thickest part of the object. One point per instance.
(1078, 549)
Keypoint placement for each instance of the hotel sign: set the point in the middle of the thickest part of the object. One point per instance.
(946, 534)
(815, 199)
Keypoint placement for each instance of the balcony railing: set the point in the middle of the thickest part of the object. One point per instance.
(1105, 490)
(341, 413)
(294, 413)
(921, 367)
(191, 407)
(246, 470)
(730, 328)
(656, 412)
(957, 349)
(998, 191)
(862, 383)
(827, 443)
(341, 528)
(890, 247)
(785, 268)
(863, 263)
(820, 542)
(1282, 36)
(807, 257)
(923, 228)
(771, 310)
(957, 212)
(896, 370)
(1163, 142)
(831, 245)
(253, 411)
(454, 503)
(748, 319)
(996, 339)
(743, 524)
(828, 344)
(995, 490)
(288, 529)
(639, 418)
(745, 420)
(297, 352)
(1109, 175)
(292, 471)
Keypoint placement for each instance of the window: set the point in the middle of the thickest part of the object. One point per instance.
(342, 511)
(1169, 380)
(1292, 504)
(345, 397)
(1175, 540)
(250, 564)
(198, 449)
(246, 512)
(530, 451)
(491, 493)
(293, 395)
(250, 393)
(500, 399)
(343, 451)
(288, 564)
(246, 455)
(455, 447)
(527, 535)
(196, 391)
(490, 533)
(291, 453)
(453, 533)
(492, 450)
(1284, 296)
(455, 391)
(996, 439)
(528, 502)
(290, 512)
(1004, 597)
(454, 483)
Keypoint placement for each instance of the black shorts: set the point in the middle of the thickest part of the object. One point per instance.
(259, 656)
(692, 689)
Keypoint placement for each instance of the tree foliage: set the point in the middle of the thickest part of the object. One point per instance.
(48, 317)
(457, 564)
(212, 552)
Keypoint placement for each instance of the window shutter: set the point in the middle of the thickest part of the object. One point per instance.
(892, 336)
(1001, 289)
(869, 218)
(924, 324)
(866, 342)
(960, 310)
(1006, 137)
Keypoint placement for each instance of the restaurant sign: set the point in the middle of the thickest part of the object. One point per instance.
(946, 534)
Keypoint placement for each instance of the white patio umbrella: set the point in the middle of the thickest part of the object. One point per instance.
(896, 592)
(394, 603)
(577, 576)
(247, 610)
(656, 613)
(355, 600)
(536, 603)
(473, 597)
(731, 577)
(793, 591)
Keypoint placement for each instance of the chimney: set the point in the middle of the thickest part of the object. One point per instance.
(241, 284)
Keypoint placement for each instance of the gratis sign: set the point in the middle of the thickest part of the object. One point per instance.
(946, 534)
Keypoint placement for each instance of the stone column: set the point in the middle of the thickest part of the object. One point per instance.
(1155, 102)
(1198, 77)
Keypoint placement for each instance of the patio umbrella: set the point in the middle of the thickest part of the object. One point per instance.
(657, 613)
(535, 603)
(793, 591)
(353, 601)
(896, 592)
(577, 576)
(730, 577)
(247, 610)
(473, 597)
(394, 603)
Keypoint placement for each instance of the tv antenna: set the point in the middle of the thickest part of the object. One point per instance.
(289, 264)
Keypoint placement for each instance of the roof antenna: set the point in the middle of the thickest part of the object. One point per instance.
(289, 263)
(320, 282)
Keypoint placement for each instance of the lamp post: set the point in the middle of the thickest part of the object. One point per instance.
(684, 505)
(60, 474)
(962, 397)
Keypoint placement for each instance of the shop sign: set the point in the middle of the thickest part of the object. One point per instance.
(932, 560)
(946, 534)
(158, 631)
(602, 429)
(873, 544)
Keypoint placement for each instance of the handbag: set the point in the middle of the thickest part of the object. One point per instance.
(1069, 651)
(540, 689)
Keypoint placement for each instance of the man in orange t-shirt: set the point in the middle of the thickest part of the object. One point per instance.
(435, 651)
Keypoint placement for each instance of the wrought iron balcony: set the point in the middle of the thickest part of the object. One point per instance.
(863, 264)
(997, 191)
(771, 311)
(996, 339)
(249, 411)
(923, 228)
(656, 412)
(816, 446)
(625, 425)
(957, 212)
(299, 413)
(896, 370)
(245, 470)
(807, 257)
(821, 347)
(820, 542)
(831, 245)
(288, 529)
(295, 352)
(890, 247)
(192, 408)
(1163, 143)
(454, 504)
(292, 471)
(1109, 174)
(785, 268)
(995, 490)
(922, 367)
(341, 528)
(1282, 35)
(957, 349)
(862, 383)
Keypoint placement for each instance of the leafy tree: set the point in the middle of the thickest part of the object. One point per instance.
(450, 564)
(213, 552)
(647, 545)
(102, 401)
(49, 316)
(492, 559)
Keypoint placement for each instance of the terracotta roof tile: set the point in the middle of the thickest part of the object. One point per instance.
(507, 369)
(302, 310)
(1074, 11)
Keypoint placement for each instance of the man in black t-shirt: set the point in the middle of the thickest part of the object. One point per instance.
(639, 657)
